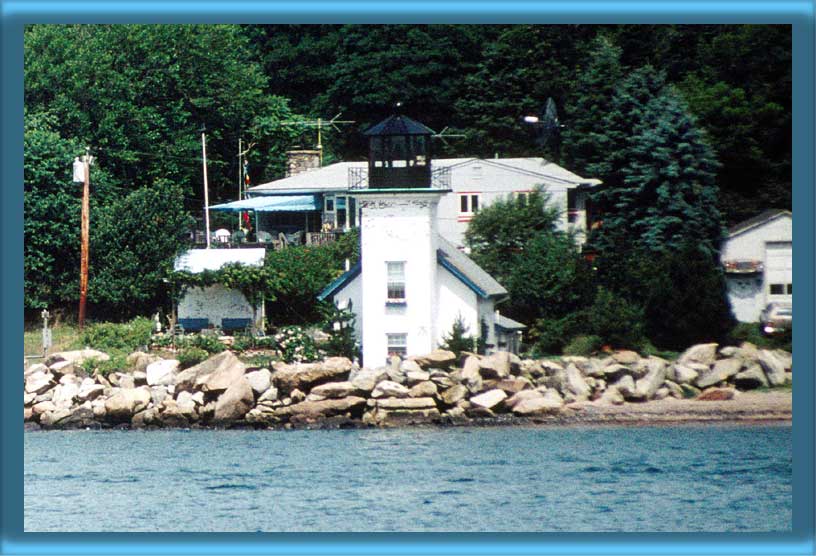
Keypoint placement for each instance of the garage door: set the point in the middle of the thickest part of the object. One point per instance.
(779, 271)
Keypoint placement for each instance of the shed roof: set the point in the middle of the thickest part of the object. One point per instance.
(464, 268)
(757, 220)
(199, 260)
(506, 323)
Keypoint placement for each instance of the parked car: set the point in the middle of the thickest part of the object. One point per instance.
(776, 318)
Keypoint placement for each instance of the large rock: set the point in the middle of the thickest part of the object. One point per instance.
(443, 379)
(227, 374)
(514, 385)
(700, 353)
(646, 387)
(438, 358)
(78, 357)
(717, 394)
(314, 410)
(89, 390)
(496, 365)
(259, 380)
(366, 379)
(752, 377)
(52, 419)
(389, 389)
(138, 361)
(304, 377)
(406, 403)
(575, 383)
(42, 407)
(625, 386)
(62, 368)
(35, 368)
(415, 377)
(186, 405)
(146, 418)
(774, 367)
(162, 372)
(490, 399)
(515, 399)
(549, 402)
(612, 396)
(39, 382)
(471, 376)
(684, 374)
(235, 402)
(195, 376)
(425, 389)
(401, 417)
(64, 395)
(721, 371)
(125, 402)
(334, 390)
(785, 357)
(626, 357)
(454, 394)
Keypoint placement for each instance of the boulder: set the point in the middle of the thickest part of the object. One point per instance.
(700, 353)
(674, 389)
(366, 379)
(51, 419)
(270, 395)
(228, 373)
(42, 407)
(496, 365)
(684, 374)
(146, 418)
(785, 357)
(547, 403)
(471, 374)
(409, 366)
(126, 402)
(287, 378)
(309, 410)
(195, 376)
(138, 361)
(626, 357)
(162, 372)
(235, 402)
(717, 394)
(626, 387)
(158, 394)
(401, 417)
(721, 371)
(125, 380)
(490, 399)
(615, 371)
(89, 390)
(77, 357)
(752, 377)
(454, 394)
(389, 389)
(259, 380)
(774, 368)
(405, 403)
(612, 396)
(172, 415)
(62, 368)
(98, 408)
(442, 379)
(425, 389)
(334, 390)
(35, 368)
(64, 395)
(296, 396)
(514, 385)
(39, 382)
(28, 399)
(523, 395)
(415, 377)
(690, 391)
(662, 393)
(646, 387)
(438, 358)
(80, 417)
(576, 384)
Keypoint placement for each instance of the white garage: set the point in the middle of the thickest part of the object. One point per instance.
(758, 261)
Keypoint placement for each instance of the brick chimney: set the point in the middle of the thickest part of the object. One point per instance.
(301, 161)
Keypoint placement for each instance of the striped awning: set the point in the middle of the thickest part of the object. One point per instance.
(281, 203)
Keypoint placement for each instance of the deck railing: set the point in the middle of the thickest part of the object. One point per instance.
(743, 266)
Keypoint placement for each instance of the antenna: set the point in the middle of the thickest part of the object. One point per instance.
(548, 125)
(320, 124)
(444, 134)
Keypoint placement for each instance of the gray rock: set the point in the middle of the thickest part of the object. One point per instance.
(195, 376)
(146, 418)
(310, 411)
(366, 379)
(405, 403)
(78, 357)
(626, 357)
(62, 368)
(490, 399)
(43, 407)
(785, 357)
(186, 405)
(408, 366)
(235, 402)
(496, 365)
(471, 375)
(389, 389)
(304, 377)
(415, 377)
(700, 353)
(752, 377)
(774, 368)
(523, 395)
(442, 379)
(158, 394)
(548, 403)
(612, 396)
(334, 390)
(646, 387)
(162, 372)
(126, 402)
(425, 389)
(514, 385)
(615, 371)
(125, 380)
(89, 390)
(139, 360)
(64, 395)
(35, 368)
(454, 394)
(438, 358)
(721, 371)
(576, 384)
(674, 389)
(626, 387)
(39, 382)
(684, 374)
(259, 380)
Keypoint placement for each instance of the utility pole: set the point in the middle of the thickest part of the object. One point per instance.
(82, 173)
(240, 177)
(206, 192)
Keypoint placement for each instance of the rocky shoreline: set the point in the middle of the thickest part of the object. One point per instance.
(707, 383)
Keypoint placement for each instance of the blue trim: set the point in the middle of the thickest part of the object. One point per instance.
(341, 281)
(459, 274)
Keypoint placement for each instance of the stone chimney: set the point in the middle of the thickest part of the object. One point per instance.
(301, 161)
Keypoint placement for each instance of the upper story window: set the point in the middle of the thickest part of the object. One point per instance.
(522, 196)
(397, 344)
(468, 203)
(329, 204)
(396, 281)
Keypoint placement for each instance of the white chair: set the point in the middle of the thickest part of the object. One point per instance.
(222, 235)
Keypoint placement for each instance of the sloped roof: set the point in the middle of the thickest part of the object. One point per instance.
(341, 281)
(199, 260)
(760, 218)
(334, 177)
(399, 125)
(508, 324)
(464, 268)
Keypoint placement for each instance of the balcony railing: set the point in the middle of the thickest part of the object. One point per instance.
(276, 243)
(358, 178)
(743, 266)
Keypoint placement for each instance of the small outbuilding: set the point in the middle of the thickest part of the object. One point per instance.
(217, 306)
(758, 260)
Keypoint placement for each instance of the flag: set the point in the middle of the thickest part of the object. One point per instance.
(247, 221)
(246, 172)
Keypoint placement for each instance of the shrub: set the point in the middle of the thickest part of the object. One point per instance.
(191, 356)
(458, 340)
(210, 344)
(295, 346)
(616, 321)
(116, 363)
(750, 332)
(339, 325)
(112, 336)
(583, 345)
(548, 336)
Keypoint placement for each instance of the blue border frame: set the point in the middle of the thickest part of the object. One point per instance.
(17, 13)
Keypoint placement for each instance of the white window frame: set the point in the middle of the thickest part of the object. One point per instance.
(468, 205)
(396, 344)
(333, 200)
(394, 279)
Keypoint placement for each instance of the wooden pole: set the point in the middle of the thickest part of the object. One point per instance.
(206, 190)
(85, 232)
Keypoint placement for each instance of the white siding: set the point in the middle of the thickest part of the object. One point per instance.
(215, 303)
(455, 300)
(771, 244)
(353, 291)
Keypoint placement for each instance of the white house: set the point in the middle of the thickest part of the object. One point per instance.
(328, 200)
(217, 305)
(411, 284)
(758, 260)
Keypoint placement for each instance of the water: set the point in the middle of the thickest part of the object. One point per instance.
(689, 478)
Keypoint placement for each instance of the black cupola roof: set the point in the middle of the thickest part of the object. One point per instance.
(399, 125)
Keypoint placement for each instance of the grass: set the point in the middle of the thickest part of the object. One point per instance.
(63, 337)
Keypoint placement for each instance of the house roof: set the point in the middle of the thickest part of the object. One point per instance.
(399, 125)
(761, 218)
(199, 260)
(464, 268)
(272, 203)
(456, 262)
(334, 177)
(507, 323)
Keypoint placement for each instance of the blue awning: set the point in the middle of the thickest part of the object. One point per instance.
(282, 203)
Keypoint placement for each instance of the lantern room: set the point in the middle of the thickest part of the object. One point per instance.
(399, 154)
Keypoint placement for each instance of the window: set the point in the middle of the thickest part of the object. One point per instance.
(329, 204)
(396, 281)
(790, 289)
(468, 204)
(777, 289)
(397, 344)
(523, 197)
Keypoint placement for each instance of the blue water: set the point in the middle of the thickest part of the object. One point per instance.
(689, 478)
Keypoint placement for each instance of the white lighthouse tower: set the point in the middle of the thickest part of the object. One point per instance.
(399, 242)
